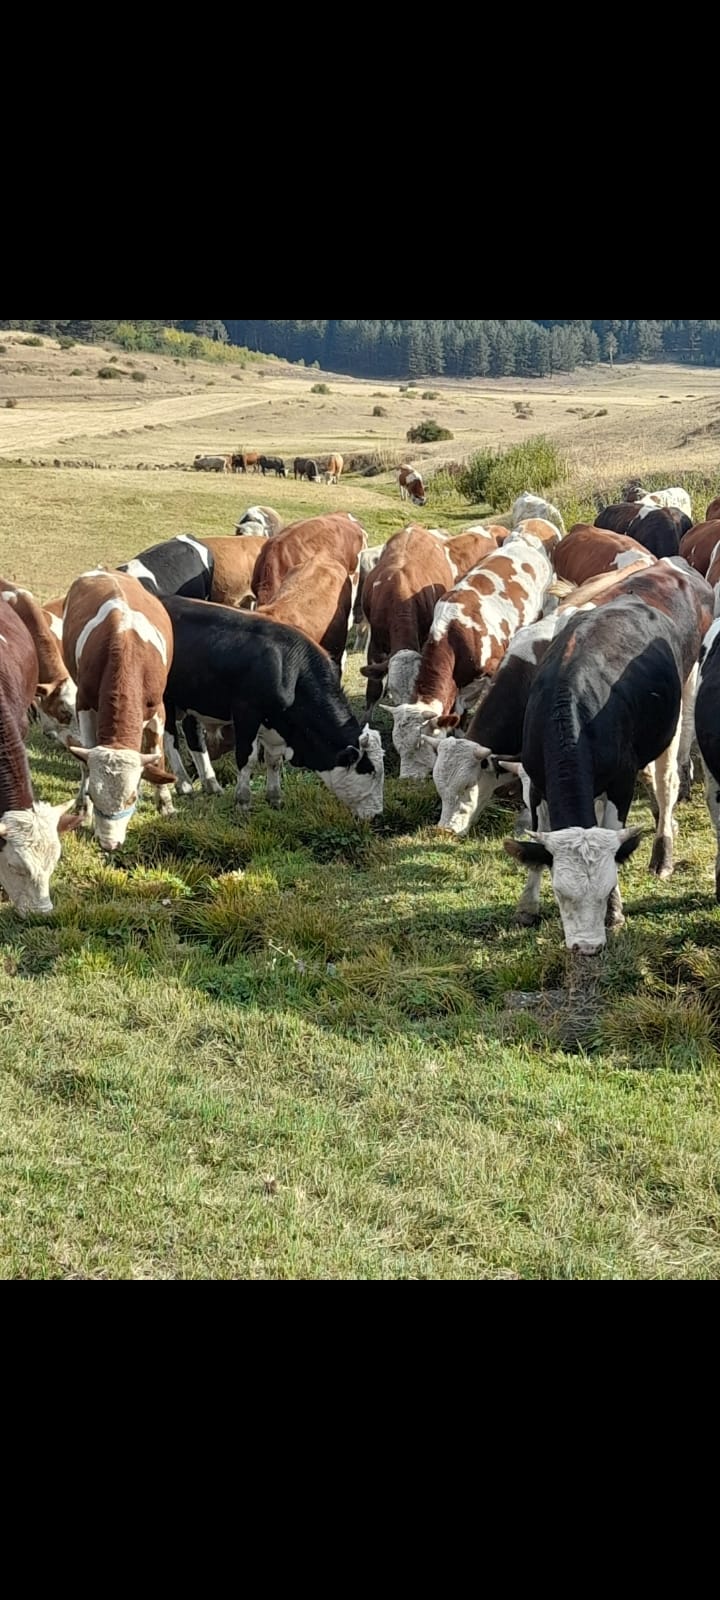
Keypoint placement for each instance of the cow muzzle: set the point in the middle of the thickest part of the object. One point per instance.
(586, 949)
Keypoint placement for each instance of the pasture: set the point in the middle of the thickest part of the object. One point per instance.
(298, 1045)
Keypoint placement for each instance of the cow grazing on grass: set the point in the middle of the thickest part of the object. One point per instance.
(532, 505)
(306, 467)
(55, 693)
(586, 551)
(368, 561)
(213, 463)
(233, 563)
(243, 460)
(339, 536)
(699, 544)
(272, 464)
(118, 646)
(659, 529)
(315, 598)
(259, 520)
(54, 612)
(30, 830)
(471, 629)
(244, 669)
(182, 565)
(707, 728)
(604, 704)
(331, 467)
(411, 486)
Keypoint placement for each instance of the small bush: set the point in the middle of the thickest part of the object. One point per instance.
(3, 349)
(379, 394)
(33, 340)
(431, 394)
(379, 411)
(522, 408)
(10, 405)
(427, 432)
(138, 376)
(497, 477)
(320, 388)
(108, 372)
(65, 342)
(76, 372)
(113, 361)
(403, 388)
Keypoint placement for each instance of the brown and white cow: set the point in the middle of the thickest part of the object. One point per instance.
(713, 510)
(55, 693)
(698, 545)
(471, 630)
(243, 460)
(213, 463)
(316, 598)
(118, 646)
(233, 566)
(676, 496)
(586, 551)
(532, 505)
(338, 535)
(260, 520)
(330, 466)
(541, 529)
(29, 829)
(411, 486)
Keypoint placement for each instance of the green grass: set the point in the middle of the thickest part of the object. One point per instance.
(279, 1046)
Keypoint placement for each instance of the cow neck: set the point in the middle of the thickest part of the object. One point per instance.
(15, 787)
(51, 667)
(569, 772)
(436, 678)
(120, 709)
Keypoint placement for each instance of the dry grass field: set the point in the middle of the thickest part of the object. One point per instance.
(294, 1045)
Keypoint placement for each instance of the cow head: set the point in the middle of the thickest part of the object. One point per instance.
(466, 776)
(29, 853)
(113, 782)
(583, 864)
(403, 669)
(411, 725)
(358, 776)
(56, 703)
(417, 494)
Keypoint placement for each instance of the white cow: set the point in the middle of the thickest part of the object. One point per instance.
(531, 505)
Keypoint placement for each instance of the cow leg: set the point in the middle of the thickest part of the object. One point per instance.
(274, 752)
(87, 721)
(687, 734)
(172, 753)
(197, 745)
(246, 755)
(712, 796)
(667, 784)
(615, 816)
(528, 906)
(152, 743)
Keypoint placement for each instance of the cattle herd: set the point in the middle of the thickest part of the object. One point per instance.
(561, 665)
(316, 469)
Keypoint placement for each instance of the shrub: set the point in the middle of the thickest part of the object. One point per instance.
(427, 432)
(113, 361)
(497, 477)
(320, 388)
(76, 372)
(138, 376)
(379, 411)
(108, 372)
(431, 394)
(65, 342)
(10, 405)
(3, 349)
(33, 340)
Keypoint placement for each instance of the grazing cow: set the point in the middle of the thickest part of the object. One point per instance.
(411, 486)
(243, 460)
(604, 704)
(232, 667)
(531, 505)
(659, 529)
(707, 728)
(587, 551)
(233, 563)
(118, 646)
(29, 829)
(634, 493)
(332, 468)
(713, 510)
(338, 535)
(213, 463)
(182, 565)
(541, 529)
(698, 545)
(272, 464)
(417, 568)
(368, 561)
(261, 521)
(471, 630)
(55, 693)
(305, 467)
(315, 598)
(617, 518)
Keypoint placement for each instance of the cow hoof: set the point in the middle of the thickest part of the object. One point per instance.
(184, 786)
(167, 809)
(211, 786)
(243, 805)
(275, 802)
(661, 860)
(528, 919)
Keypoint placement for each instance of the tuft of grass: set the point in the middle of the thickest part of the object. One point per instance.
(141, 377)
(672, 1030)
(431, 394)
(499, 476)
(109, 372)
(32, 340)
(10, 404)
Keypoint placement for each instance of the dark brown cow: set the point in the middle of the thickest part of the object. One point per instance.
(339, 536)
(659, 529)
(587, 551)
(316, 598)
(698, 545)
(306, 467)
(118, 647)
(55, 692)
(617, 518)
(243, 460)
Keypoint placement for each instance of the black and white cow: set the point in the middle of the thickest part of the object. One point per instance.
(232, 667)
(272, 464)
(176, 566)
(604, 704)
(707, 730)
(659, 529)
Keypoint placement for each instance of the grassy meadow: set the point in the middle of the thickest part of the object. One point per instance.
(297, 1045)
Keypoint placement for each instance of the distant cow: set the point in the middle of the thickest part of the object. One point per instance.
(659, 529)
(213, 463)
(29, 829)
(333, 468)
(587, 551)
(55, 694)
(411, 486)
(182, 565)
(259, 520)
(306, 467)
(272, 464)
(338, 535)
(531, 505)
(699, 543)
(659, 497)
(243, 460)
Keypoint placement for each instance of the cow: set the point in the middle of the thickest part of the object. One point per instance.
(417, 568)
(272, 464)
(713, 576)
(118, 646)
(531, 505)
(713, 510)
(213, 463)
(604, 704)
(541, 529)
(260, 521)
(243, 460)
(471, 629)
(233, 563)
(182, 565)
(707, 729)
(305, 467)
(659, 529)
(587, 551)
(617, 518)
(55, 693)
(315, 598)
(30, 829)
(368, 561)
(411, 486)
(54, 612)
(676, 496)
(333, 468)
(338, 535)
(699, 544)
(240, 668)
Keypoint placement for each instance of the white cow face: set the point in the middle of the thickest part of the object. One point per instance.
(402, 676)
(360, 783)
(29, 853)
(410, 723)
(466, 776)
(583, 864)
(113, 783)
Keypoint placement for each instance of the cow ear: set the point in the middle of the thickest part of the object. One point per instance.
(432, 740)
(348, 757)
(515, 767)
(156, 775)
(67, 819)
(450, 721)
(629, 841)
(365, 737)
(77, 751)
(531, 852)
(385, 706)
(481, 752)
